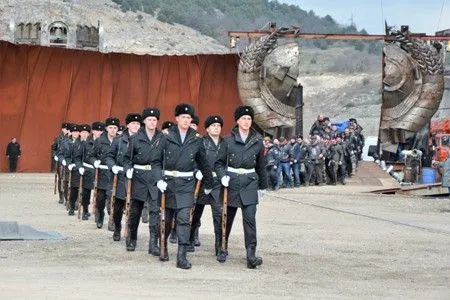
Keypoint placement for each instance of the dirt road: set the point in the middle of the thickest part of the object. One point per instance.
(316, 242)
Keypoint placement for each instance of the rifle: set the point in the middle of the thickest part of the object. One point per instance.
(196, 191)
(162, 224)
(56, 181)
(69, 187)
(128, 200)
(94, 200)
(113, 199)
(80, 193)
(225, 213)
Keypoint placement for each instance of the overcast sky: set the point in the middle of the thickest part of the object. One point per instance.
(420, 15)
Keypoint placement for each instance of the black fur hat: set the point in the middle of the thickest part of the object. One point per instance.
(112, 121)
(65, 125)
(195, 120)
(243, 110)
(133, 117)
(100, 126)
(74, 127)
(184, 108)
(213, 119)
(85, 127)
(150, 112)
(166, 125)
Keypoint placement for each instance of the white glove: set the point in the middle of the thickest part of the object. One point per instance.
(161, 185)
(208, 191)
(199, 175)
(81, 170)
(97, 163)
(129, 173)
(225, 180)
(116, 169)
(260, 194)
(70, 167)
(64, 163)
(55, 158)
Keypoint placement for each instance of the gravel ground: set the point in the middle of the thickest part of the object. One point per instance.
(316, 242)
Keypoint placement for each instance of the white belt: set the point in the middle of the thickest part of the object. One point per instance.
(241, 170)
(143, 167)
(178, 174)
(103, 167)
(88, 165)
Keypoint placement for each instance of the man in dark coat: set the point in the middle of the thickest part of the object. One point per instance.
(61, 155)
(115, 160)
(241, 167)
(142, 162)
(74, 161)
(183, 151)
(55, 150)
(13, 153)
(97, 158)
(212, 143)
(86, 169)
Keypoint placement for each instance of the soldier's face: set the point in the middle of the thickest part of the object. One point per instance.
(194, 126)
(184, 121)
(150, 123)
(244, 122)
(84, 135)
(133, 127)
(112, 130)
(96, 134)
(214, 129)
(75, 134)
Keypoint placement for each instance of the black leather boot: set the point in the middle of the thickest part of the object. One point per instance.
(85, 216)
(252, 260)
(173, 236)
(116, 234)
(196, 238)
(153, 248)
(71, 212)
(190, 247)
(182, 261)
(131, 244)
(100, 220)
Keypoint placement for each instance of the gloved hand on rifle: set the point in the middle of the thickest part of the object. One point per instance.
(70, 167)
(116, 169)
(55, 158)
(199, 175)
(161, 185)
(208, 191)
(64, 163)
(81, 171)
(130, 173)
(225, 180)
(97, 164)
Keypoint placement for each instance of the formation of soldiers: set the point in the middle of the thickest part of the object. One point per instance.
(165, 176)
(327, 156)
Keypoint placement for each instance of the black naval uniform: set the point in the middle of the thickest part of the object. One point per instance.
(244, 163)
(115, 157)
(180, 159)
(88, 176)
(55, 151)
(215, 198)
(102, 146)
(63, 153)
(76, 157)
(144, 156)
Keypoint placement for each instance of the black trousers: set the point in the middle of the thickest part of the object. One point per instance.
(73, 197)
(249, 222)
(100, 203)
(183, 228)
(12, 164)
(136, 213)
(119, 205)
(86, 200)
(216, 209)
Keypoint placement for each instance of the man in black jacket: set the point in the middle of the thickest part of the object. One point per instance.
(241, 168)
(183, 150)
(13, 153)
